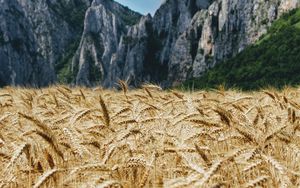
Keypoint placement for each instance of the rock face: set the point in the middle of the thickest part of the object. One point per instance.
(220, 31)
(130, 60)
(182, 40)
(230, 26)
(45, 41)
(105, 23)
(34, 36)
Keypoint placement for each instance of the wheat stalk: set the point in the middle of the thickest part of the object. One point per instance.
(213, 169)
(42, 180)
(257, 181)
(17, 154)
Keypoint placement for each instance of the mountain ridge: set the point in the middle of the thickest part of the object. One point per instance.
(182, 40)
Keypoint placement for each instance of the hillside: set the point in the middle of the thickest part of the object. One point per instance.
(79, 137)
(272, 61)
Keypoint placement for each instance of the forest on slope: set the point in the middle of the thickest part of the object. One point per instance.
(272, 61)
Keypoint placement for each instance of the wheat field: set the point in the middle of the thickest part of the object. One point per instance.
(80, 137)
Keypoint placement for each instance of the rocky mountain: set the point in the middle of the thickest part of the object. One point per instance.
(99, 42)
(182, 40)
(105, 22)
(272, 61)
(34, 35)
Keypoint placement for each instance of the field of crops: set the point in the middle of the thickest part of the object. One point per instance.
(79, 137)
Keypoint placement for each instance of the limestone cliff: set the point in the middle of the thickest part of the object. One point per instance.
(182, 39)
(105, 22)
(98, 42)
(35, 36)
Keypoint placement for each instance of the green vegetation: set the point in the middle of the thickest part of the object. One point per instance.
(73, 14)
(130, 18)
(95, 75)
(273, 61)
(129, 40)
(63, 68)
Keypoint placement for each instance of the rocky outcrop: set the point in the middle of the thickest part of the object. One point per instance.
(232, 25)
(194, 39)
(182, 40)
(105, 22)
(146, 55)
(98, 42)
(34, 37)
(130, 60)
(142, 52)
(221, 31)
(16, 59)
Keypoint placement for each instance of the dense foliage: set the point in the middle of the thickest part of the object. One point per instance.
(73, 12)
(273, 61)
(65, 75)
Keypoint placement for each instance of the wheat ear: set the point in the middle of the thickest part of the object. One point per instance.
(257, 181)
(42, 180)
(105, 112)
